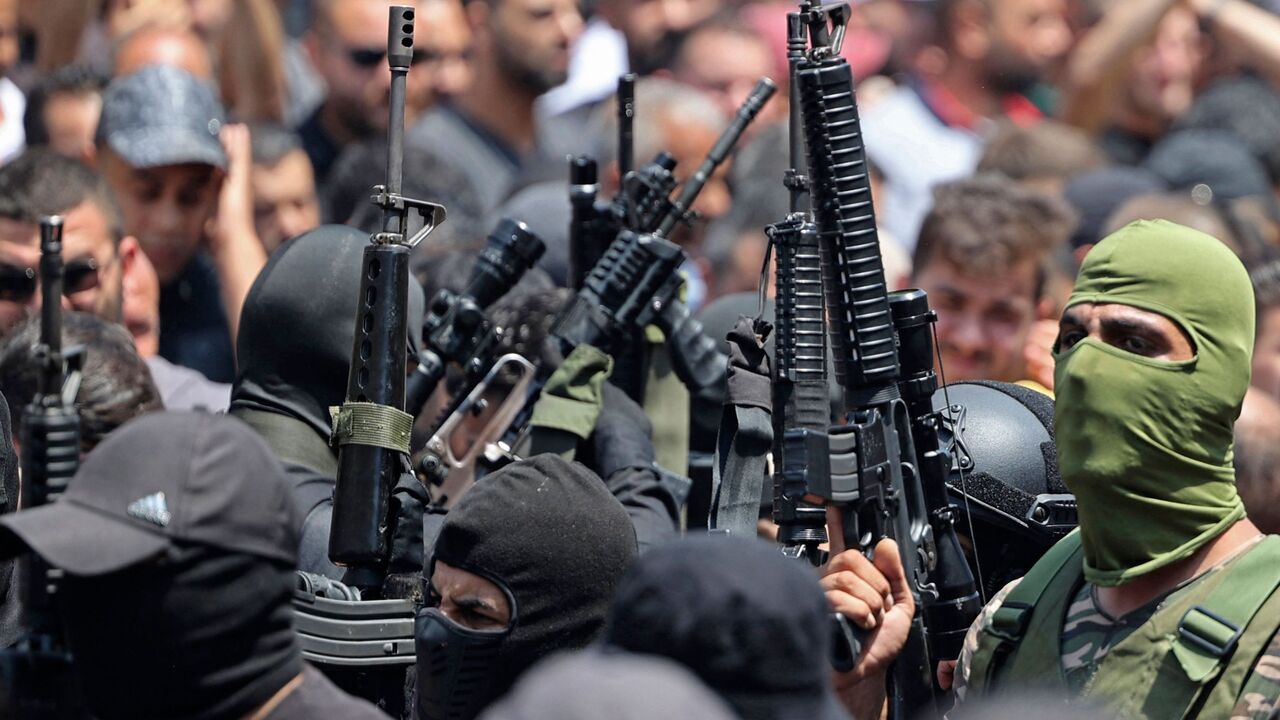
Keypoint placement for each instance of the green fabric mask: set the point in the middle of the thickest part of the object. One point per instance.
(1146, 445)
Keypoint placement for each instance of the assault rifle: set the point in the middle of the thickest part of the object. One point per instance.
(643, 203)
(359, 632)
(884, 469)
(36, 676)
(635, 279)
(371, 428)
(456, 328)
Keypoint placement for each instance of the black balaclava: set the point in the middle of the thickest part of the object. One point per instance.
(552, 537)
(298, 323)
(752, 624)
(204, 634)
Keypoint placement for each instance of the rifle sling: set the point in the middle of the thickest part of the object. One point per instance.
(746, 435)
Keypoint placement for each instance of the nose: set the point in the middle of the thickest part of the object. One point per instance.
(677, 15)
(454, 76)
(963, 332)
(570, 24)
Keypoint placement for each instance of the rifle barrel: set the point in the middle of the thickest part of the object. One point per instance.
(764, 89)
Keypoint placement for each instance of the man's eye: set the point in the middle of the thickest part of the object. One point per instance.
(1136, 345)
(1068, 338)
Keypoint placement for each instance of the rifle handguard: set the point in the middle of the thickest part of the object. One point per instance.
(696, 359)
(857, 295)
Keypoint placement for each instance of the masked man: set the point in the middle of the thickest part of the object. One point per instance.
(525, 565)
(1164, 604)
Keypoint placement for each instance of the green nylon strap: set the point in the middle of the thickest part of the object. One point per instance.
(1208, 632)
(1190, 659)
(366, 423)
(1011, 620)
(570, 403)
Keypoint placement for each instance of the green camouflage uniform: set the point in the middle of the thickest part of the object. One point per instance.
(1088, 634)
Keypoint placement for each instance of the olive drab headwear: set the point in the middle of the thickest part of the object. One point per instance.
(1145, 444)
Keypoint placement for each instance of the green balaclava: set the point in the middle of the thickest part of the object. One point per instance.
(1145, 444)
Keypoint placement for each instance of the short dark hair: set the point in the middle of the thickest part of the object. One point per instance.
(992, 224)
(68, 79)
(41, 182)
(269, 143)
(1046, 149)
(116, 385)
(1266, 286)
(345, 196)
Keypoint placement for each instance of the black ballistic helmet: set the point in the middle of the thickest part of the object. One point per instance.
(1004, 475)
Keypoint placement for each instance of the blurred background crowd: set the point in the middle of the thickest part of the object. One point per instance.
(1007, 137)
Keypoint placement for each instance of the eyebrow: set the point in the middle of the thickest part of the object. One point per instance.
(1069, 317)
(1129, 324)
(472, 602)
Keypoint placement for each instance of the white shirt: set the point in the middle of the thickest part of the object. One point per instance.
(12, 135)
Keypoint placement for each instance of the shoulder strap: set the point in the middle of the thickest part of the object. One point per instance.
(1010, 621)
(746, 434)
(292, 440)
(1208, 633)
(1195, 652)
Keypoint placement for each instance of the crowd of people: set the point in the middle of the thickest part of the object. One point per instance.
(1087, 191)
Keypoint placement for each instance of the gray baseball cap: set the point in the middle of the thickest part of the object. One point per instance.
(162, 115)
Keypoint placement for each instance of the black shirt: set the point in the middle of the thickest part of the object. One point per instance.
(319, 146)
(193, 324)
(317, 697)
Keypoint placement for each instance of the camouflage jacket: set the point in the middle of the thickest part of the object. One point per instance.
(1088, 634)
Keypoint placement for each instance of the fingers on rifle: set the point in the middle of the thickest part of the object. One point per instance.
(856, 587)
(856, 563)
(835, 530)
(946, 673)
(889, 562)
(853, 608)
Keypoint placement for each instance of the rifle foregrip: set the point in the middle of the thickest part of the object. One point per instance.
(695, 357)
(857, 293)
(366, 473)
(799, 320)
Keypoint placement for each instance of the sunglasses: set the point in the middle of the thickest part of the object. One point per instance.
(18, 284)
(370, 58)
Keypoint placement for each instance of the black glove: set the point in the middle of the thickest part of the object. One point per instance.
(623, 436)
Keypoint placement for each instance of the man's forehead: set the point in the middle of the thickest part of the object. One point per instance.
(183, 173)
(19, 232)
(80, 223)
(1017, 280)
(362, 22)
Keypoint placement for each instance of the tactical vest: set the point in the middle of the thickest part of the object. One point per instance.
(1190, 659)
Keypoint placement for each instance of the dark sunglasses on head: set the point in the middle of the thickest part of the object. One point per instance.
(368, 58)
(18, 284)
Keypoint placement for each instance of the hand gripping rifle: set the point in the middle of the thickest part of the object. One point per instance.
(635, 280)
(371, 428)
(38, 680)
(885, 484)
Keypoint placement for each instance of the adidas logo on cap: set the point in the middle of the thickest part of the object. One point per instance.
(152, 509)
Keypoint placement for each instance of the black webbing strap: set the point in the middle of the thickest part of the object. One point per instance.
(746, 433)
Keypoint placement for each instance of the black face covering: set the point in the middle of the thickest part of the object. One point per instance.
(296, 331)
(458, 661)
(204, 635)
(553, 538)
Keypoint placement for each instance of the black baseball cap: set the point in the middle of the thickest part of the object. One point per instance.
(161, 480)
(162, 115)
